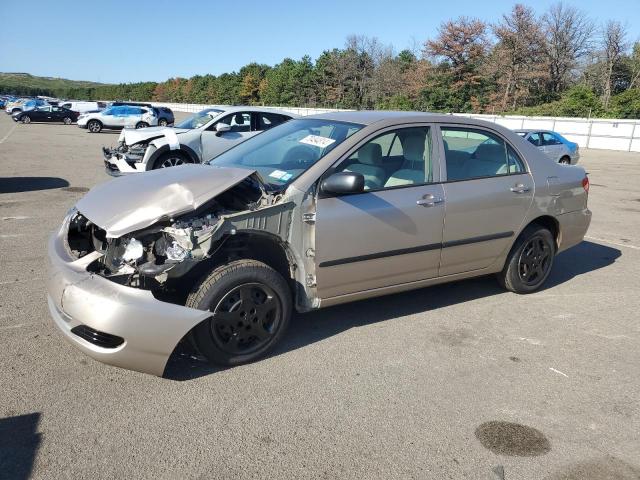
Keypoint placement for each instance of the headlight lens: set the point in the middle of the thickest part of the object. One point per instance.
(133, 250)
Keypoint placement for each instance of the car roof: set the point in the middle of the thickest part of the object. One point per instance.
(369, 117)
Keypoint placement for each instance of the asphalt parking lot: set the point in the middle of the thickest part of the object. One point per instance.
(455, 381)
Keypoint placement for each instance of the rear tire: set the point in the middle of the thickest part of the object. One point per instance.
(94, 126)
(142, 125)
(67, 120)
(530, 260)
(565, 160)
(162, 122)
(251, 309)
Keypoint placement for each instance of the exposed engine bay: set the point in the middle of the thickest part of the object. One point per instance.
(152, 258)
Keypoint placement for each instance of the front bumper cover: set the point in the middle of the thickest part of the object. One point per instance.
(150, 328)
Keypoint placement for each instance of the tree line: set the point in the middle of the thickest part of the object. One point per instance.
(558, 62)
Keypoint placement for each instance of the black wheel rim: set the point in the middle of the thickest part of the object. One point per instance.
(535, 261)
(246, 319)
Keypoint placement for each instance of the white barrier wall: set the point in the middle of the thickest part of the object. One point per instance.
(607, 134)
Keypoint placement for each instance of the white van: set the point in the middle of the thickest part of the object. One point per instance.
(82, 107)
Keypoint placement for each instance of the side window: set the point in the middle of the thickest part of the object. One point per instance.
(550, 139)
(269, 120)
(396, 158)
(473, 153)
(535, 139)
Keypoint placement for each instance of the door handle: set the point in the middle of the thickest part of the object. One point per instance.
(519, 188)
(429, 200)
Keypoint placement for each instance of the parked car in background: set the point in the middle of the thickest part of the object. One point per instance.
(123, 116)
(197, 139)
(164, 114)
(554, 145)
(317, 211)
(48, 113)
(82, 107)
(25, 105)
(14, 105)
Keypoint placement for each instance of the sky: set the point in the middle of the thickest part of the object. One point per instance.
(139, 40)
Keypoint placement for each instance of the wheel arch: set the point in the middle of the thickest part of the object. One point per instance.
(550, 223)
(184, 149)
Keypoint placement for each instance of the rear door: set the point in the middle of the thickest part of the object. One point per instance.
(391, 233)
(488, 193)
(553, 147)
(242, 127)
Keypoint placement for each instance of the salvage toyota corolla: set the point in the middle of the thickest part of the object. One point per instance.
(315, 212)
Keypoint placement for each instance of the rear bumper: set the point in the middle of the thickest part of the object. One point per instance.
(150, 329)
(573, 228)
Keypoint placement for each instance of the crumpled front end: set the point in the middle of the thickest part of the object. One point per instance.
(114, 323)
(123, 159)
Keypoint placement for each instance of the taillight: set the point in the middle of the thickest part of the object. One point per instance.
(585, 184)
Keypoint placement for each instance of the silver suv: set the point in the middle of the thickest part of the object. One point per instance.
(315, 212)
(115, 118)
(197, 139)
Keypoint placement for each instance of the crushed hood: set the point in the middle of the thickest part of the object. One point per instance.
(132, 136)
(133, 202)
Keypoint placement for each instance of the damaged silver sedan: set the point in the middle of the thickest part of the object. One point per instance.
(315, 212)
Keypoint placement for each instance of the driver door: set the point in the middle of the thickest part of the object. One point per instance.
(242, 127)
(391, 233)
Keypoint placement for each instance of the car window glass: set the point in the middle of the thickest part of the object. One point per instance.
(397, 158)
(269, 120)
(472, 153)
(535, 139)
(549, 139)
(239, 122)
(515, 162)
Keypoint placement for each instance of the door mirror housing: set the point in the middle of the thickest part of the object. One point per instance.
(342, 183)
(221, 128)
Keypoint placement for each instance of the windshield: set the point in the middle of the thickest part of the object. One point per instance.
(282, 153)
(199, 119)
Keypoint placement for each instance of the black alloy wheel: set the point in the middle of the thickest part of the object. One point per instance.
(246, 319)
(535, 261)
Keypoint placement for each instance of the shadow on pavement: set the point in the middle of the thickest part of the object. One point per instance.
(318, 325)
(19, 443)
(30, 184)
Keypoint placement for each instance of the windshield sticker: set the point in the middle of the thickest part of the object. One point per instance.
(286, 177)
(317, 141)
(278, 174)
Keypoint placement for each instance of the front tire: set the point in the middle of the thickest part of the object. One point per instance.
(565, 160)
(172, 158)
(67, 120)
(26, 119)
(141, 125)
(251, 309)
(530, 260)
(94, 126)
(163, 122)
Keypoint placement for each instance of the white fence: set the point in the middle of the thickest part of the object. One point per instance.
(607, 134)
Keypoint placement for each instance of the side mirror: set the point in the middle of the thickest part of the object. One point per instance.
(341, 183)
(221, 128)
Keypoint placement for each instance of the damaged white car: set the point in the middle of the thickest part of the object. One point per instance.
(197, 139)
(318, 211)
